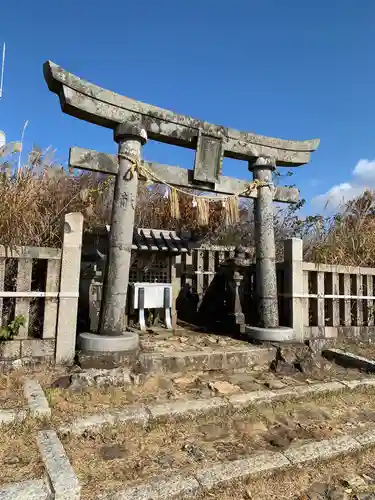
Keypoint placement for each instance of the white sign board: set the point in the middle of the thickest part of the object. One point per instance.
(154, 295)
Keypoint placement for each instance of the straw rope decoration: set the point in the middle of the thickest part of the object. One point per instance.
(202, 202)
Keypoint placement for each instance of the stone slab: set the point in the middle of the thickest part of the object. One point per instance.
(63, 480)
(186, 409)
(172, 361)
(360, 383)
(176, 487)
(10, 416)
(106, 361)
(92, 342)
(134, 414)
(36, 399)
(321, 450)
(101, 377)
(366, 438)
(223, 474)
(242, 400)
(37, 489)
(349, 360)
(324, 387)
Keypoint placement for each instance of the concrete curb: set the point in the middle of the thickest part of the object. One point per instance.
(36, 399)
(37, 489)
(61, 475)
(181, 487)
(149, 415)
(37, 405)
(223, 474)
(10, 416)
(347, 359)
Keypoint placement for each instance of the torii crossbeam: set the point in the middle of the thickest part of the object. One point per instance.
(133, 123)
(88, 159)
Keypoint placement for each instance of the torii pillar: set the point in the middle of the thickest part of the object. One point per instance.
(265, 251)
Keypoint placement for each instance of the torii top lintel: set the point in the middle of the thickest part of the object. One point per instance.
(94, 104)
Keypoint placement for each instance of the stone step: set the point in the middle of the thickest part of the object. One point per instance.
(213, 359)
(213, 479)
(183, 448)
(153, 414)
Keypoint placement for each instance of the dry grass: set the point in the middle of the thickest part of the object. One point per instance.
(12, 383)
(121, 454)
(67, 405)
(19, 455)
(346, 238)
(11, 392)
(292, 484)
(36, 197)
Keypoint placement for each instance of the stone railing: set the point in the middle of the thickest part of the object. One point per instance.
(41, 286)
(321, 300)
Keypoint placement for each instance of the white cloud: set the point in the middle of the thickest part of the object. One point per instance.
(363, 178)
(365, 171)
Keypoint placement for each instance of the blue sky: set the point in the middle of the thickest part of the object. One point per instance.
(292, 69)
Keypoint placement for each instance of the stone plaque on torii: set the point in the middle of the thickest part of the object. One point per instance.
(133, 123)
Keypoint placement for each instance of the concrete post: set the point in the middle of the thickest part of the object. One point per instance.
(130, 138)
(69, 288)
(293, 279)
(266, 285)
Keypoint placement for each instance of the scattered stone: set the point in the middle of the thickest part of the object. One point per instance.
(274, 384)
(354, 482)
(137, 379)
(338, 493)
(183, 339)
(209, 341)
(281, 437)
(222, 343)
(164, 461)
(62, 382)
(283, 367)
(151, 384)
(194, 451)
(317, 491)
(212, 432)
(250, 428)
(113, 452)
(100, 378)
(186, 380)
(245, 381)
(223, 387)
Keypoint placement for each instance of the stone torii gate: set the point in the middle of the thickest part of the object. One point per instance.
(133, 123)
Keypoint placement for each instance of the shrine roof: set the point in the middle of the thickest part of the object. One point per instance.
(154, 240)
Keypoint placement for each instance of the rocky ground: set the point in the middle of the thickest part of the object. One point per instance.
(124, 454)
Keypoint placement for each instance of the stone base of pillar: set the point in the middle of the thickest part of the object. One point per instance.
(279, 334)
(92, 342)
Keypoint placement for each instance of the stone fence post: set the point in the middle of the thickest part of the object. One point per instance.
(293, 280)
(69, 288)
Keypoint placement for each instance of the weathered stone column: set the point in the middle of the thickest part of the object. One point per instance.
(266, 283)
(112, 336)
(130, 138)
